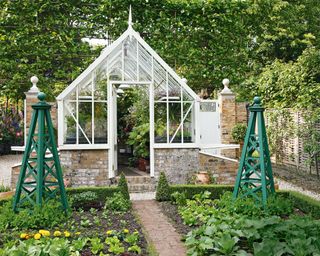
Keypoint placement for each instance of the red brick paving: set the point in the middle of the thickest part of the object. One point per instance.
(159, 230)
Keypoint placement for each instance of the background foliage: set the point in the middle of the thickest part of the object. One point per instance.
(266, 47)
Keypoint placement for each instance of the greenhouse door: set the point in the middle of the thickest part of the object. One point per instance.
(113, 123)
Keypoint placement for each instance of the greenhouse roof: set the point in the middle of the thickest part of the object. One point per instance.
(131, 59)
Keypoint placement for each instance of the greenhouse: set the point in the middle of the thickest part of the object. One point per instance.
(87, 108)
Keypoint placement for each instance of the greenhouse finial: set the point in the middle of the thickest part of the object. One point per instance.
(130, 17)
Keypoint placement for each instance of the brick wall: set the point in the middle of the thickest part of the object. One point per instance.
(85, 167)
(178, 163)
(223, 170)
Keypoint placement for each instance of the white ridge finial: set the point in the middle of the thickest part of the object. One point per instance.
(34, 80)
(130, 17)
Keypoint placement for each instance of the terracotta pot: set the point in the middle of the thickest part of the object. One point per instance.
(203, 178)
(142, 164)
(6, 194)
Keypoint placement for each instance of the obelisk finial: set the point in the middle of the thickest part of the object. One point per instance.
(130, 17)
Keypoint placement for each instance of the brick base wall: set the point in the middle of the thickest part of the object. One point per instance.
(178, 163)
(224, 171)
(85, 167)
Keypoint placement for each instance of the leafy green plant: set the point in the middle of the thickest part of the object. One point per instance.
(117, 203)
(123, 186)
(135, 248)
(4, 188)
(238, 132)
(96, 245)
(163, 189)
(48, 216)
(115, 245)
(179, 198)
(132, 239)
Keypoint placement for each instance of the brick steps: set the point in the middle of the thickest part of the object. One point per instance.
(140, 183)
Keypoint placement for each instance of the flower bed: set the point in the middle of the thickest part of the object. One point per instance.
(91, 227)
(241, 227)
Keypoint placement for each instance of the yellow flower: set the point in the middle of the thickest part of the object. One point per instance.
(109, 232)
(37, 236)
(57, 233)
(126, 231)
(78, 233)
(67, 234)
(23, 236)
(44, 232)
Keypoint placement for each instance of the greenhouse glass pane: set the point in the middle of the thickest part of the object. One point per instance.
(85, 92)
(160, 122)
(70, 133)
(174, 122)
(188, 124)
(85, 122)
(101, 89)
(100, 123)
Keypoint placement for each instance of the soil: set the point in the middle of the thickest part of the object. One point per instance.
(171, 211)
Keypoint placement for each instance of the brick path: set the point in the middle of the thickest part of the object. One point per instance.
(159, 231)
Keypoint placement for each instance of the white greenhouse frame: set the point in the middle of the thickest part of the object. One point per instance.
(131, 61)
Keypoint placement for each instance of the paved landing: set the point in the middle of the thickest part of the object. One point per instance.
(159, 230)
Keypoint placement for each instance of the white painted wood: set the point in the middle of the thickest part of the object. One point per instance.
(25, 121)
(110, 132)
(151, 121)
(209, 123)
(83, 146)
(61, 123)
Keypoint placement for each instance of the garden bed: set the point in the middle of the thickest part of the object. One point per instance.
(91, 227)
(289, 225)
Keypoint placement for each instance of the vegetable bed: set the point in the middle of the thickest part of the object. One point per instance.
(91, 227)
(243, 227)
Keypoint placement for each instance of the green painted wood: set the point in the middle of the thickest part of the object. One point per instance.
(40, 177)
(254, 177)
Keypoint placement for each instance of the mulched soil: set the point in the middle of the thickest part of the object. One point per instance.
(171, 211)
(301, 179)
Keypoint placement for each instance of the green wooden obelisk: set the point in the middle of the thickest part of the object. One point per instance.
(254, 176)
(40, 176)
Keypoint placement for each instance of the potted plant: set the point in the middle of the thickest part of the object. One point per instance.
(238, 134)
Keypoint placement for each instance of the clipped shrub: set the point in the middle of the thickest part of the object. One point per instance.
(85, 200)
(123, 186)
(163, 189)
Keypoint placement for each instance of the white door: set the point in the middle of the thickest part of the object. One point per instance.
(209, 122)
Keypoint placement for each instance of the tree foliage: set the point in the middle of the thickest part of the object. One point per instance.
(204, 41)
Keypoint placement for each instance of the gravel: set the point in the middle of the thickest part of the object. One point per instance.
(6, 162)
(284, 185)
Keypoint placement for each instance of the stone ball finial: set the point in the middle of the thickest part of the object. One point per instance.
(41, 96)
(226, 82)
(34, 89)
(256, 100)
(34, 80)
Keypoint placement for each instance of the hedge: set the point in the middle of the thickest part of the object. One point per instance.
(102, 192)
(191, 190)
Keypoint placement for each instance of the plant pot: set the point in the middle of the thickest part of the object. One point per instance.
(202, 178)
(4, 195)
(142, 164)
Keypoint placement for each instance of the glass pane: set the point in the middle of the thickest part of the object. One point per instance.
(188, 124)
(100, 123)
(160, 122)
(70, 134)
(130, 60)
(174, 122)
(101, 89)
(85, 122)
(145, 64)
(85, 92)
